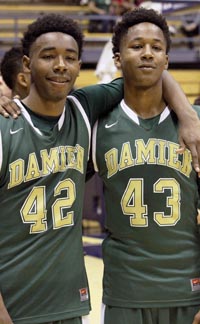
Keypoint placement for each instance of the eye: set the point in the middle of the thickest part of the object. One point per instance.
(137, 46)
(157, 48)
(70, 58)
(48, 56)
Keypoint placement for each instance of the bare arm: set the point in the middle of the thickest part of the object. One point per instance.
(196, 318)
(4, 316)
(189, 129)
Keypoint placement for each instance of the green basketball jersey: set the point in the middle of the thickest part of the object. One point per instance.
(42, 175)
(152, 251)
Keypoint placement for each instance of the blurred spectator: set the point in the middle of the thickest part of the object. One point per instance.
(100, 8)
(190, 27)
(158, 6)
(138, 2)
(12, 72)
(106, 69)
(121, 6)
(151, 5)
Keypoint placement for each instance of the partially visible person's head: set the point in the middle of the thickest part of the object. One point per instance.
(4, 89)
(135, 17)
(12, 71)
(52, 23)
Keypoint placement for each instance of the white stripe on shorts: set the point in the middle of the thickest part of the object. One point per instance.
(103, 308)
(85, 319)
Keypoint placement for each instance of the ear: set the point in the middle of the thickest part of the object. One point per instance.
(117, 60)
(80, 64)
(167, 62)
(21, 79)
(26, 63)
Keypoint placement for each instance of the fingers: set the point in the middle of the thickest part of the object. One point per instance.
(195, 158)
(180, 150)
(195, 152)
(9, 108)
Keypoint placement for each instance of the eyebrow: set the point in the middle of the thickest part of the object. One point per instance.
(54, 48)
(154, 39)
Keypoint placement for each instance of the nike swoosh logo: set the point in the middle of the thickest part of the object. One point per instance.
(12, 132)
(111, 125)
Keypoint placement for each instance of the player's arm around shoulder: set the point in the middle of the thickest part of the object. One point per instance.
(99, 99)
(4, 316)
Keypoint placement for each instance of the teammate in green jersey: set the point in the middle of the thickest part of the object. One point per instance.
(152, 251)
(43, 158)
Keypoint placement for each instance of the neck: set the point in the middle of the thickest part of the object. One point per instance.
(146, 103)
(44, 107)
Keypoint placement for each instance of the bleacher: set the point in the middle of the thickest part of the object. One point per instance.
(15, 17)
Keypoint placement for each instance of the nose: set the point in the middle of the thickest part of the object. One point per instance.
(60, 64)
(147, 52)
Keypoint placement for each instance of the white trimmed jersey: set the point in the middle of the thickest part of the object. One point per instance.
(152, 251)
(42, 176)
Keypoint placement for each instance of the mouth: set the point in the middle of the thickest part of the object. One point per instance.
(58, 80)
(146, 67)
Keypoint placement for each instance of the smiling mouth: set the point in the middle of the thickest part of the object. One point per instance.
(147, 67)
(59, 81)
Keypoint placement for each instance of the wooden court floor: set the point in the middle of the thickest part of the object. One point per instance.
(94, 268)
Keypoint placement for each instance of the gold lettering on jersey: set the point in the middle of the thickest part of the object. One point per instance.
(111, 158)
(58, 159)
(161, 156)
(33, 171)
(16, 170)
(145, 152)
(126, 159)
(75, 157)
(154, 152)
(50, 161)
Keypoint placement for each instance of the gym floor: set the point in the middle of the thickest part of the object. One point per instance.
(94, 268)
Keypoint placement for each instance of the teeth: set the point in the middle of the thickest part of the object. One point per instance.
(59, 81)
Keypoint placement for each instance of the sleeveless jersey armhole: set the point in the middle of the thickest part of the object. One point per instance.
(94, 146)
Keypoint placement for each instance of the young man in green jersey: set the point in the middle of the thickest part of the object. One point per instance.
(151, 253)
(13, 74)
(43, 158)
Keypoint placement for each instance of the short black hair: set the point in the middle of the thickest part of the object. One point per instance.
(11, 65)
(52, 22)
(137, 16)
